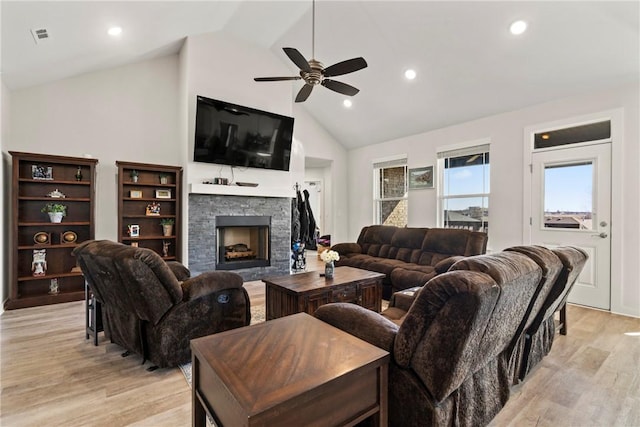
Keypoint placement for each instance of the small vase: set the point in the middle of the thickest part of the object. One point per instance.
(167, 230)
(328, 270)
(163, 180)
(55, 216)
(134, 178)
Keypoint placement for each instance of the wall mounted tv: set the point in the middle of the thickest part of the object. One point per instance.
(234, 135)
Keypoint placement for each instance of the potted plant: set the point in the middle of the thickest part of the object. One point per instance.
(134, 175)
(164, 178)
(55, 210)
(167, 226)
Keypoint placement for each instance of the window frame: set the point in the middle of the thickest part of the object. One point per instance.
(459, 150)
(378, 166)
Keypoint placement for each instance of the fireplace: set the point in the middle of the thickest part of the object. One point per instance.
(243, 242)
(205, 209)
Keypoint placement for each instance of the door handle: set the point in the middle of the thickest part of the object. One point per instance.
(602, 235)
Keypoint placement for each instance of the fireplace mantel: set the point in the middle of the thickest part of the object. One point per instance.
(236, 190)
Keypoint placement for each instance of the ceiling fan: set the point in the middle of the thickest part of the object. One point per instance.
(313, 72)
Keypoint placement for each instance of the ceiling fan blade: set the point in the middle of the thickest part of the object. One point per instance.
(275, 79)
(345, 67)
(297, 58)
(340, 87)
(304, 93)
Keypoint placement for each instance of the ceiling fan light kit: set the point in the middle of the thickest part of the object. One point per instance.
(313, 72)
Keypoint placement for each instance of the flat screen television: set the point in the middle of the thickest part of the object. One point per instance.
(230, 134)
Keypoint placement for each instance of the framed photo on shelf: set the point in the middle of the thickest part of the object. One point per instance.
(153, 209)
(163, 194)
(421, 178)
(134, 230)
(41, 172)
(135, 194)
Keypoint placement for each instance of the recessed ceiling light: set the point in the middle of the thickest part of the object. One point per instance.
(114, 31)
(410, 74)
(518, 27)
(347, 103)
(545, 136)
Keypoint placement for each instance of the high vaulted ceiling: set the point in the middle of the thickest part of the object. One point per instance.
(469, 65)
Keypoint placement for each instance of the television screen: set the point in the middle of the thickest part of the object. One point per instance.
(240, 136)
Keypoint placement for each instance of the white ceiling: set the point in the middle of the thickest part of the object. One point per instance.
(469, 65)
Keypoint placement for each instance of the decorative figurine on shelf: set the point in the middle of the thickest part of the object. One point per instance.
(165, 248)
(53, 287)
(39, 263)
(55, 194)
(153, 209)
(79, 174)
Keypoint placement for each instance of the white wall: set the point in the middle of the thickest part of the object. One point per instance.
(128, 113)
(319, 144)
(505, 132)
(145, 112)
(218, 66)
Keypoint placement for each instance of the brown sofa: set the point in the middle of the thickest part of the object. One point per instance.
(453, 350)
(152, 307)
(409, 256)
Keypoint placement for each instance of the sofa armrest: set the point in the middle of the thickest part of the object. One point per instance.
(359, 322)
(444, 265)
(347, 248)
(207, 283)
(181, 272)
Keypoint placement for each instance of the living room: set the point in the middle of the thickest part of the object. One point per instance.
(144, 112)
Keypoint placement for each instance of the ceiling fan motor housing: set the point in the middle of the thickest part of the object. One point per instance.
(316, 75)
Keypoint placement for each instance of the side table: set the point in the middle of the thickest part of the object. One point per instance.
(292, 371)
(93, 314)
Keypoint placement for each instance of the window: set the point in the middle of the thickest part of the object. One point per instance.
(390, 192)
(464, 188)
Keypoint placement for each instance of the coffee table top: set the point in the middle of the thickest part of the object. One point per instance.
(303, 282)
(269, 363)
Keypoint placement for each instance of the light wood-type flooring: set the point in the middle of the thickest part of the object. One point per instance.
(52, 376)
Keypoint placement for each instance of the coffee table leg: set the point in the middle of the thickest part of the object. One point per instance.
(381, 419)
(197, 411)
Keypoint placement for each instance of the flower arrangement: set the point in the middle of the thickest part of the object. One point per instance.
(329, 256)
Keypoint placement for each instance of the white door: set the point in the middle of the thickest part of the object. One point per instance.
(571, 205)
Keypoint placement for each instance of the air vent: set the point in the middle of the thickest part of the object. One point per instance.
(40, 35)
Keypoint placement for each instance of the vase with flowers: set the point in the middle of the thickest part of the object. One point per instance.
(329, 257)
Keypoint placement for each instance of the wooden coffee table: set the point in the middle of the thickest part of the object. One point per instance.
(293, 371)
(305, 292)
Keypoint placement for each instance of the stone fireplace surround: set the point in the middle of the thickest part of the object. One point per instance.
(203, 209)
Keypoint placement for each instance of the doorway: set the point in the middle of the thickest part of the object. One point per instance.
(570, 202)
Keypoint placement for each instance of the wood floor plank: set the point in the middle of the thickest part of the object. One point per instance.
(51, 375)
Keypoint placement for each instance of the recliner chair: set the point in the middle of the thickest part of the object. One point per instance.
(149, 311)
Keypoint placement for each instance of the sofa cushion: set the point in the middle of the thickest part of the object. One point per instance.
(447, 241)
(403, 278)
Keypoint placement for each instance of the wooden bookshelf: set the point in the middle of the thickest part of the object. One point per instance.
(35, 177)
(135, 196)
